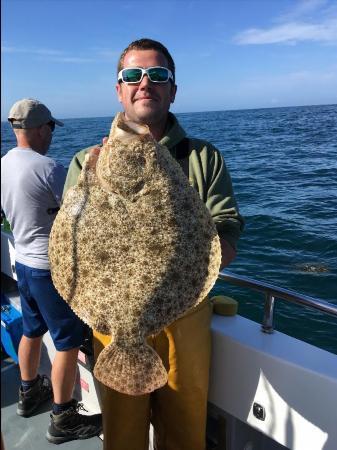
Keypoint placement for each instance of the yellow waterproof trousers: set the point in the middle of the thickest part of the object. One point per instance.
(178, 410)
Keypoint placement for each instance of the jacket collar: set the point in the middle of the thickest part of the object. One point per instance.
(174, 133)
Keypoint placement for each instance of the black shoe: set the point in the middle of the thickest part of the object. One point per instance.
(71, 425)
(29, 401)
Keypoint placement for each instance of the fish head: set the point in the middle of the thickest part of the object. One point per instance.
(128, 159)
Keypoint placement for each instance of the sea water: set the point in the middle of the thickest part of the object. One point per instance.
(283, 164)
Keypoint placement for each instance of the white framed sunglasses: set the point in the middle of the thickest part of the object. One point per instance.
(134, 75)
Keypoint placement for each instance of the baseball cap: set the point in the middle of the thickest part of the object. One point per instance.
(30, 113)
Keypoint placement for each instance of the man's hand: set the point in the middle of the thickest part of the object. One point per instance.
(94, 153)
(227, 254)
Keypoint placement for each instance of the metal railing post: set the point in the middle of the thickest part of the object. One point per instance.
(272, 292)
(268, 316)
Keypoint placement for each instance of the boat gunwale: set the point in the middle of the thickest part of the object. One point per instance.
(273, 292)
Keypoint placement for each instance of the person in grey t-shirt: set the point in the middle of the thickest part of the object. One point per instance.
(31, 192)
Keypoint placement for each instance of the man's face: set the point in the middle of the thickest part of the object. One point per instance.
(46, 135)
(41, 138)
(146, 102)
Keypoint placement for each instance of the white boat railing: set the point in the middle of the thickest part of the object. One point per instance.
(274, 292)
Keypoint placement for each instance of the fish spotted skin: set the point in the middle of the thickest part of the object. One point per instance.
(131, 250)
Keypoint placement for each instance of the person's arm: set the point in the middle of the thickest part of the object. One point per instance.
(228, 253)
(74, 170)
(55, 182)
(222, 204)
(77, 164)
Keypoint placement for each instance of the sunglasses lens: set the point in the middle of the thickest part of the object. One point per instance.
(158, 74)
(131, 75)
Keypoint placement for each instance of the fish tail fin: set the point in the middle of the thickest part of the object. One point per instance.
(133, 369)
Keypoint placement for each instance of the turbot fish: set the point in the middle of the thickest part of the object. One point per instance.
(131, 250)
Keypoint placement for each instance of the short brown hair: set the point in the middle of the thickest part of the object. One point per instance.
(147, 44)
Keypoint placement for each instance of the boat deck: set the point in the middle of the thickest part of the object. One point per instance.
(29, 433)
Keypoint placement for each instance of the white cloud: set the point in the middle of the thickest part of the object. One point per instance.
(297, 25)
(290, 33)
(304, 8)
(33, 51)
(58, 56)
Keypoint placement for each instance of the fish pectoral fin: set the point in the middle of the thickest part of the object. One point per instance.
(133, 369)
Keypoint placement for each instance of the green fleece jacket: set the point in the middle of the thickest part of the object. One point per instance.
(206, 170)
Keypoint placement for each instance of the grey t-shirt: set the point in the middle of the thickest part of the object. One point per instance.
(31, 192)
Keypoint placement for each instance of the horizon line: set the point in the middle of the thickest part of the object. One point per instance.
(205, 111)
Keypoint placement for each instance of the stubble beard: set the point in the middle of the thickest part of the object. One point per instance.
(148, 116)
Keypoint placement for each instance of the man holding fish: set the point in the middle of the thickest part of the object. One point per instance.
(146, 88)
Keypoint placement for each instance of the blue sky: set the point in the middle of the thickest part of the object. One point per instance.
(229, 54)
